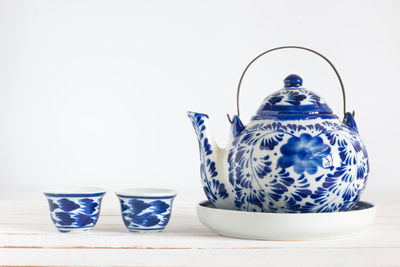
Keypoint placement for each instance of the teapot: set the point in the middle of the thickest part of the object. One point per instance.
(294, 156)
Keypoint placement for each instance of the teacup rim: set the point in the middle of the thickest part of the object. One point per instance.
(79, 191)
(146, 192)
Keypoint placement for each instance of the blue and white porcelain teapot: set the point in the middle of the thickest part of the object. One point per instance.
(295, 155)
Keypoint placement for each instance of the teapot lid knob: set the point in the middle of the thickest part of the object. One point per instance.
(293, 80)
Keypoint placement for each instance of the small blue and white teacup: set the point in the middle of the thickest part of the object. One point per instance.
(74, 209)
(146, 209)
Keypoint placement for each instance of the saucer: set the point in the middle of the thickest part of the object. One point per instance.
(286, 226)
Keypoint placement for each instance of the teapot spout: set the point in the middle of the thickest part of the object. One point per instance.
(211, 158)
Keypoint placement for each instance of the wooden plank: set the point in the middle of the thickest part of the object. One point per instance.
(204, 257)
(383, 233)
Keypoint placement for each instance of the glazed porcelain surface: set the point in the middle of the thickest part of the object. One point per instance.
(74, 209)
(146, 209)
(293, 156)
(289, 226)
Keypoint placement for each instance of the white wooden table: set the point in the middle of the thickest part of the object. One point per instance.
(27, 237)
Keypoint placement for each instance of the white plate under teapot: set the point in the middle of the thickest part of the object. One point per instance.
(286, 226)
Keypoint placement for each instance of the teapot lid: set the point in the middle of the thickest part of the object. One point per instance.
(293, 101)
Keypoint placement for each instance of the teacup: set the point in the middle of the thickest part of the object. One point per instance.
(146, 209)
(74, 209)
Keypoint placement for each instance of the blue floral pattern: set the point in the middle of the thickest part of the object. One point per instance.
(72, 213)
(297, 96)
(328, 153)
(293, 100)
(146, 214)
(305, 153)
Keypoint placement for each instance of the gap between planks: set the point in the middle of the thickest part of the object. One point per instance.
(185, 248)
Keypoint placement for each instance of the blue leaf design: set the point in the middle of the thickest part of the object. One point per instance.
(295, 98)
(257, 198)
(52, 205)
(275, 99)
(123, 206)
(262, 166)
(64, 218)
(164, 220)
(126, 222)
(220, 189)
(211, 168)
(270, 141)
(83, 219)
(361, 172)
(207, 147)
(137, 205)
(147, 219)
(159, 206)
(88, 205)
(67, 205)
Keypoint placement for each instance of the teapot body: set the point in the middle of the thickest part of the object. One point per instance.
(302, 164)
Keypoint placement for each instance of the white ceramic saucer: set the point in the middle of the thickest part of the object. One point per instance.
(286, 226)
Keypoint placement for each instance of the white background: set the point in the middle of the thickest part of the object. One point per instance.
(96, 92)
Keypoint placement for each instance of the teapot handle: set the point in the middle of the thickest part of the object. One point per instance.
(285, 47)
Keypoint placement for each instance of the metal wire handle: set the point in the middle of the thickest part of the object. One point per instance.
(285, 47)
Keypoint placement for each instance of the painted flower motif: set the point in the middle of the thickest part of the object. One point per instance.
(305, 153)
